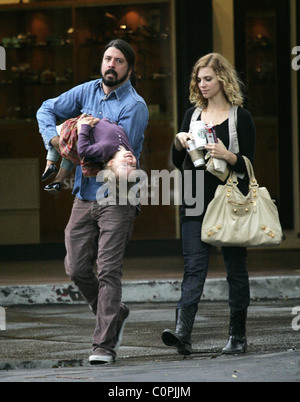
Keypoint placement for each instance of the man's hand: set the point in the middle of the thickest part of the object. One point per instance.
(86, 119)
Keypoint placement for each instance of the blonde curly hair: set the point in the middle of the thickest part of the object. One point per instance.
(226, 75)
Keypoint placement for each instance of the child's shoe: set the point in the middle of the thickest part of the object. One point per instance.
(52, 169)
(53, 188)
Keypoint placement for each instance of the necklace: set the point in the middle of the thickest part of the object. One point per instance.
(216, 120)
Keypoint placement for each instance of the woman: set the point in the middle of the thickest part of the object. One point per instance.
(214, 90)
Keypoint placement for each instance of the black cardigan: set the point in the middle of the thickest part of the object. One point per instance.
(246, 138)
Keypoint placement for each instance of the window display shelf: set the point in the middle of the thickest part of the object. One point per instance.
(50, 42)
(50, 47)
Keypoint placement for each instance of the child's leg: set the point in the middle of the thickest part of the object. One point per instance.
(52, 157)
(64, 170)
(50, 169)
(61, 175)
(66, 167)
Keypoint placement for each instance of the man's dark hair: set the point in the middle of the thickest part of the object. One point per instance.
(128, 53)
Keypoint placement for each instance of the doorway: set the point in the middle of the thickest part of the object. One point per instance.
(262, 49)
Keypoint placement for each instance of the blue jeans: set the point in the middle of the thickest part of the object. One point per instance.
(196, 262)
(53, 155)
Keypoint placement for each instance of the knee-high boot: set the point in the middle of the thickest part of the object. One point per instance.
(237, 342)
(181, 338)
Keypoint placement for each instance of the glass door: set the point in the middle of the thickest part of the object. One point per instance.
(262, 53)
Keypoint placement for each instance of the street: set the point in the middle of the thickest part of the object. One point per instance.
(52, 343)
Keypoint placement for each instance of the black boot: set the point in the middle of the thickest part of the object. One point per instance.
(181, 338)
(237, 342)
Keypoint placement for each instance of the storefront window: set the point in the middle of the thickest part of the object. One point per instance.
(50, 47)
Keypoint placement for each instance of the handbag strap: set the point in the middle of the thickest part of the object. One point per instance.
(250, 170)
(233, 177)
(196, 114)
(233, 138)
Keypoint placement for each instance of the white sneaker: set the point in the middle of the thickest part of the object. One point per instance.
(101, 356)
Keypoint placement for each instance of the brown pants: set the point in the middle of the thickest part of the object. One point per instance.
(99, 233)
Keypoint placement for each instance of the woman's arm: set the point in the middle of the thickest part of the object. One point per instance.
(246, 136)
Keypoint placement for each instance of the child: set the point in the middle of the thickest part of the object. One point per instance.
(52, 157)
(100, 140)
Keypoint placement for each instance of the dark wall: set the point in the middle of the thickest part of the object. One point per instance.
(194, 38)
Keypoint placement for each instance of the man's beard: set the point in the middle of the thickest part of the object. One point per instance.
(110, 82)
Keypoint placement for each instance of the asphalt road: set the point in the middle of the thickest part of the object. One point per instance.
(52, 344)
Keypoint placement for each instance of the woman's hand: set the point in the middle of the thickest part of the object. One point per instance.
(181, 140)
(219, 151)
(86, 119)
(216, 149)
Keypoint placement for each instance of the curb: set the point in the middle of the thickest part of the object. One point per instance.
(271, 287)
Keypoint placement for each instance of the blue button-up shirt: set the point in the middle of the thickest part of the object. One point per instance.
(123, 106)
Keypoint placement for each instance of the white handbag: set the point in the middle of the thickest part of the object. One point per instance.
(233, 219)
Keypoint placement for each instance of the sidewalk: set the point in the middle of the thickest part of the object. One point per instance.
(274, 273)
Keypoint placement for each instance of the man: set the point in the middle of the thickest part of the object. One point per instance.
(100, 232)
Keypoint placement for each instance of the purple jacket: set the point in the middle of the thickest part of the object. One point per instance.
(102, 141)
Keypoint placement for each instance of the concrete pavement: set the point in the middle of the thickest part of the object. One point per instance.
(145, 291)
